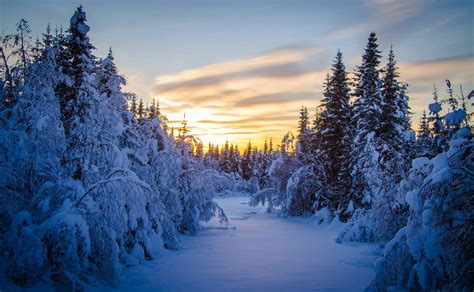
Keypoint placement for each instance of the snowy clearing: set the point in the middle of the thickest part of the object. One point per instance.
(259, 252)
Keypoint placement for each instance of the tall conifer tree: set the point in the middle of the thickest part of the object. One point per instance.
(367, 114)
(304, 134)
(334, 126)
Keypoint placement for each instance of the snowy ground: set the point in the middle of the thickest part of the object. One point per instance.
(258, 252)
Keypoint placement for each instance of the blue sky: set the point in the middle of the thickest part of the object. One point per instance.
(233, 66)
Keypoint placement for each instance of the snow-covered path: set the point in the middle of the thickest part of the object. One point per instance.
(258, 252)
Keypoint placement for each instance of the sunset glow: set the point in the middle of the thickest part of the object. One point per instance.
(252, 99)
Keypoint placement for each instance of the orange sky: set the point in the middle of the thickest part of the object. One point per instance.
(260, 96)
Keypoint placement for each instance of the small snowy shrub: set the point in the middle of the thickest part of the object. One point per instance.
(265, 196)
(66, 239)
(393, 269)
(28, 261)
(251, 186)
(302, 190)
(198, 204)
(122, 212)
(323, 216)
(280, 172)
(359, 228)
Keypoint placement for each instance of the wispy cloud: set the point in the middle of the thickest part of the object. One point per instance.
(260, 96)
(246, 98)
(275, 98)
(281, 56)
(383, 14)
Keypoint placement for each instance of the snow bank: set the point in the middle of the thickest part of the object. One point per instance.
(434, 107)
(456, 117)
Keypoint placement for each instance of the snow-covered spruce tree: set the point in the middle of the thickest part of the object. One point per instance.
(438, 127)
(394, 130)
(434, 250)
(141, 109)
(200, 152)
(424, 140)
(384, 161)
(110, 83)
(334, 138)
(235, 160)
(304, 136)
(224, 161)
(79, 98)
(247, 167)
(264, 160)
(367, 114)
(395, 148)
(132, 100)
(305, 191)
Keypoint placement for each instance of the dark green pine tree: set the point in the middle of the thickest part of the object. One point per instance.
(237, 160)
(75, 96)
(216, 153)
(158, 110)
(247, 167)
(424, 141)
(409, 136)
(224, 162)
(199, 151)
(132, 98)
(439, 132)
(62, 60)
(368, 92)
(81, 60)
(266, 160)
(304, 135)
(231, 158)
(141, 109)
(334, 126)
(110, 83)
(390, 90)
(366, 117)
(152, 114)
(394, 127)
(183, 131)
